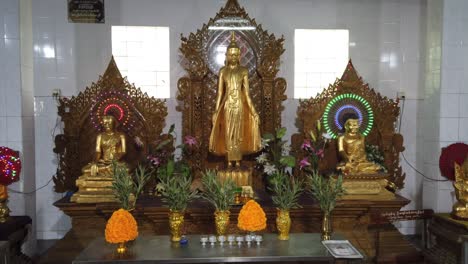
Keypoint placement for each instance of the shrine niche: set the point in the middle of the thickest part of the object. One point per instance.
(203, 54)
(140, 117)
(377, 117)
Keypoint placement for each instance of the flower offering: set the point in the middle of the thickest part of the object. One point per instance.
(251, 217)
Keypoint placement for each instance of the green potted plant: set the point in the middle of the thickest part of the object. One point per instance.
(174, 178)
(221, 195)
(326, 190)
(277, 164)
(176, 194)
(286, 191)
(127, 190)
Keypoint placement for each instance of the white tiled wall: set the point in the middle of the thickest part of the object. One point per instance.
(389, 54)
(445, 101)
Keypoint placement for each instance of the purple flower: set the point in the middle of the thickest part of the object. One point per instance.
(154, 160)
(304, 163)
(320, 153)
(306, 145)
(189, 140)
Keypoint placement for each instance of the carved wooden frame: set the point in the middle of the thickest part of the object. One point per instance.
(383, 133)
(75, 147)
(197, 91)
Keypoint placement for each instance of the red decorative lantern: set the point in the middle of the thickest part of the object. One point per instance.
(10, 166)
(453, 153)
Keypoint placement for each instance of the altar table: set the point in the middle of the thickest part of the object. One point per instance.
(305, 247)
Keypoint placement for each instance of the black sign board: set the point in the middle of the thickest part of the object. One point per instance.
(386, 217)
(86, 11)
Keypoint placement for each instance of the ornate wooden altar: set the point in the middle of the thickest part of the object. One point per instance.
(196, 94)
(140, 117)
(260, 53)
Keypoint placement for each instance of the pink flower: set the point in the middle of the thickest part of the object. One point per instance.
(304, 163)
(189, 140)
(320, 153)
(306, 144)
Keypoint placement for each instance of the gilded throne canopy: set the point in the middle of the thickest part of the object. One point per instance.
(203, 54)
(377, 114)
(140, 117)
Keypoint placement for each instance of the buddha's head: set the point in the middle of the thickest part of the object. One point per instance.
(352, 126)
(233, 51)
(108, 122)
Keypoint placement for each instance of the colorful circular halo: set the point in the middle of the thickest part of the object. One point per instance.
(112, 103)
(10, 166)
(342, 106)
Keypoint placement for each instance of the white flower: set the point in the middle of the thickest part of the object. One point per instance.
(262, 158)
(269, 169)
(264, 143)
(285, 149)
(326, 136)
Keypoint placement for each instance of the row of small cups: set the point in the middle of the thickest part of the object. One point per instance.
(212, 239)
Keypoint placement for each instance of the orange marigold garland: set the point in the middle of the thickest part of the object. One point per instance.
(121, 227)
(251, 217)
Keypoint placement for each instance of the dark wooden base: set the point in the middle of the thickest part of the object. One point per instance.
(351, 218)
(446, 236)
(15, 230)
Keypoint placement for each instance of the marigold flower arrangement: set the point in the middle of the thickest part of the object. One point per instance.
(251, 217)
(121, 227)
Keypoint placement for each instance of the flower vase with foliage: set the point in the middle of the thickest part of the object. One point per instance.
(175, 179)
(286, 191)
(326, 191)
(221, 195)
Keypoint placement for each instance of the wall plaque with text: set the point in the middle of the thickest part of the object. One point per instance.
(86, 11)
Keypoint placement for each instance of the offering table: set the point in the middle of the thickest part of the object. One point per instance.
(159, 249)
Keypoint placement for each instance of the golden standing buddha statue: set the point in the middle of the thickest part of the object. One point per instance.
(352, 149)
(96, 180)
(236, 130)
(460, 208)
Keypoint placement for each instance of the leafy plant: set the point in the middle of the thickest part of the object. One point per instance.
(220, 194)
(176, 186)
(287, 190)
(374, 154)
(173, 173)
(326, 190)
(125, 188)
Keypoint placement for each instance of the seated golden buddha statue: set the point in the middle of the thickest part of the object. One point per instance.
(236, 129)
(460, 208)
(96, 180)
(352, 149)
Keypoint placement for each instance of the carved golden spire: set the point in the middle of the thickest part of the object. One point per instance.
(112, 70)
(350, 74)
(233, 44)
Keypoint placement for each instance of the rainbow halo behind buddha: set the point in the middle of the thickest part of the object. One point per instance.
(348, 117)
